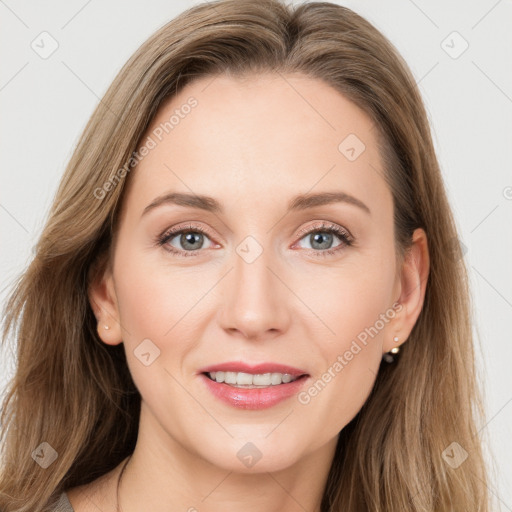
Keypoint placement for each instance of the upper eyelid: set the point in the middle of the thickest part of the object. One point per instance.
(172, 232)
(324, 225)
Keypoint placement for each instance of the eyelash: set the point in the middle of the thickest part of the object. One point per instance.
(341, 233)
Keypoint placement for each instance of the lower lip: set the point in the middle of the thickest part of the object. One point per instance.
(253, 398)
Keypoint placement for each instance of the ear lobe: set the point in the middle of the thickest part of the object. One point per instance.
(413, 279)
(102, 297)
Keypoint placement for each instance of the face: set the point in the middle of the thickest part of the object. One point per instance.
(258, 274)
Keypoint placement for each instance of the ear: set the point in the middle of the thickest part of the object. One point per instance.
(103, 300)
(413, 284)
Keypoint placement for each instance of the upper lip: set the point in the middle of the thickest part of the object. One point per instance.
(239, 366)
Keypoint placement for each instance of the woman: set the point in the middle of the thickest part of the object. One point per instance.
(249, 292)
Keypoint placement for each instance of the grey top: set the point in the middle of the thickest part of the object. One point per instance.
(63, 505)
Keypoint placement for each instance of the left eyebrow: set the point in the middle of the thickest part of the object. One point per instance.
(304, 201)
(299, 202)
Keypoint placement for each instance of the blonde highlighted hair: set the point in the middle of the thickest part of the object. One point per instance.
(76, 393)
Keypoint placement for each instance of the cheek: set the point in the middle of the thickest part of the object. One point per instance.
(350, 364)
(357, 309)
(344, 301)
(339, 394)
(156, 312)
(161, 307)
(155, 296)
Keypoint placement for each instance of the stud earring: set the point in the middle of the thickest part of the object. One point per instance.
(390, 356)
(106, 327)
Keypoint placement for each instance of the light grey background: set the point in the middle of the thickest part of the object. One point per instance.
(46, 103)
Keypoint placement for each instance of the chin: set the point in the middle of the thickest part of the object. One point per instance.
(257, 456)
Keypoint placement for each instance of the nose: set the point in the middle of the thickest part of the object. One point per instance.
(255, 301)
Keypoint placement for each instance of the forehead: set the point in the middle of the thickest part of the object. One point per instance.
(257, 138)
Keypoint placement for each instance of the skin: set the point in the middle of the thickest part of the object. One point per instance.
(252, 144)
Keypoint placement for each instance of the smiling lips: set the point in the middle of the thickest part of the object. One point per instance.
(252, 386)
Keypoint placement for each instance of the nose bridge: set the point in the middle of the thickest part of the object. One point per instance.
(253, 297)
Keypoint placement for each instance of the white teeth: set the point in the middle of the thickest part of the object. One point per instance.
(230, 378)
(276, 379)
(244, 379)
(241, 379)
(264, 379)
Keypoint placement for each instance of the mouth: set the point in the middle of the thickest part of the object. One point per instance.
(252, 381)
(253, 386)
(241, 374)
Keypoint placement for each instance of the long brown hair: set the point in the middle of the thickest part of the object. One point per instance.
(75, 393)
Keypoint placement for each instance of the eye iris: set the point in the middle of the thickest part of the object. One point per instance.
(189, 238)
(319, 237)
